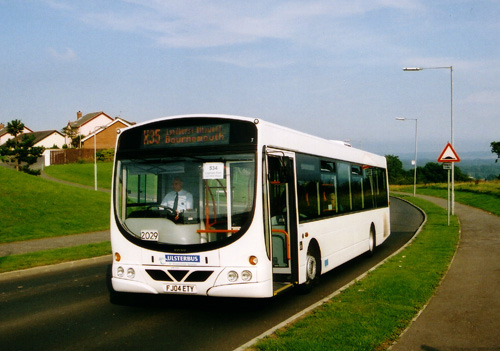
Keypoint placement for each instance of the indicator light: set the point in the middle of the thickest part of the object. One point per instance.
(253, 260)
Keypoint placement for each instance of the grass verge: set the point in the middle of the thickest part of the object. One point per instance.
(47, 257)
(372, 313)
(485, 196)
(32, 207)
(83, 173)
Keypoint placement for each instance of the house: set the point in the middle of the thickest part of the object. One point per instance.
(105, 137)
(4, 136)
(88, 124)
(49, 139)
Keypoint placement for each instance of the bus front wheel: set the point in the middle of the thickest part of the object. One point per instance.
(313, 269)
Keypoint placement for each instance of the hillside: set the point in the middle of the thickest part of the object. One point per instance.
(475, 165)
(32, 207)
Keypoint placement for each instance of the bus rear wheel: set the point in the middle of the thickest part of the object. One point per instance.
(372, 243)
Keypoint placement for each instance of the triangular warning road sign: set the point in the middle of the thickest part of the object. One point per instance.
(448, 155)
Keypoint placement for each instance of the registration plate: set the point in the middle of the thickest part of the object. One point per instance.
(180, 289)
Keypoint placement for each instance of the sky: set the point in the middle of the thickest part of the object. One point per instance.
(331, 68)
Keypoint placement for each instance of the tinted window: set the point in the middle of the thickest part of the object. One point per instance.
(330, 187)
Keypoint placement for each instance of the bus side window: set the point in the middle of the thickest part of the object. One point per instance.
(308, 180)
(328, 188)
(357, 188)
(368, 187)
(344, 186)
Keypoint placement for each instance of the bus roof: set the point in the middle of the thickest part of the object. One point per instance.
(274, 135)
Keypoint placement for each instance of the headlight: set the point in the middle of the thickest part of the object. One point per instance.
(246, 276)
(120, 272)
(130, 273)
(232, 276)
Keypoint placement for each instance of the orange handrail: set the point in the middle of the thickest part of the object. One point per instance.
(287, 241)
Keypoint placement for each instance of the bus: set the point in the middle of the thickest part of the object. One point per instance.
(258, 208)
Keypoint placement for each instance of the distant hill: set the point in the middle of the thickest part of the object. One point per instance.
(476, 164)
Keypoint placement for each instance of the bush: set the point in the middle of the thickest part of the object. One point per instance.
(105, 155)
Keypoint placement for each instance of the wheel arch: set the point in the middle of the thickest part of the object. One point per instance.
(314, 246)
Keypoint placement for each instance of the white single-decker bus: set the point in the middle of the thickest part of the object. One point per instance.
(219, 205)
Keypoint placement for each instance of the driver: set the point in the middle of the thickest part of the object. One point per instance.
(179, 199)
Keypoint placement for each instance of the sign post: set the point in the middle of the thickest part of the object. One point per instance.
(447, 157)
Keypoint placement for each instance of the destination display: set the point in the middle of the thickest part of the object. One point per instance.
(197, 135)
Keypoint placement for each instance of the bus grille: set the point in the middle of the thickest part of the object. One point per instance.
(175, 275)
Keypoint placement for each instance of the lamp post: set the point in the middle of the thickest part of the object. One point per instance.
(96, 129)
(415, 159)
(416, 69)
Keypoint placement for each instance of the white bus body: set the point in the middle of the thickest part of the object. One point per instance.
(272, 207)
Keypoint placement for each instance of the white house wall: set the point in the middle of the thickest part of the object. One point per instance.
(5, 137)
(95, 123)
(51, 140)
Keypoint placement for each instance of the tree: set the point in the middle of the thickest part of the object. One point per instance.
(72, 133)
(397, 175)
(495, 148)
(15, 128)
(433, 172)
(21, 148)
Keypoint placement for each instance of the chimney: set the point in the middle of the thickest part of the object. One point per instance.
(1, 126)
(78, 115)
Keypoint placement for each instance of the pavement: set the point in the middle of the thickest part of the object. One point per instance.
(464, 313)
(22, 247)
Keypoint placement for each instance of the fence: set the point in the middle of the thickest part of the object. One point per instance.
(59, 157)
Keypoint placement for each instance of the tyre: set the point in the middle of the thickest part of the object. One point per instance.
(372, 242)
(313, 269)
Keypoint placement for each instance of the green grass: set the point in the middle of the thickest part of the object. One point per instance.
(43, 258)
(83, 173)
(373, 312)
(32, 207)
(484, 195)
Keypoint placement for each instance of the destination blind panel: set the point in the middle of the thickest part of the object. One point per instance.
(198, 135)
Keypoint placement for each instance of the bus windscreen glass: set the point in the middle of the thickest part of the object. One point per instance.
(189, 186)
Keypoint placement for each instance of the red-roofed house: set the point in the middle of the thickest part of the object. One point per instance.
(88, 124)
(105, 136)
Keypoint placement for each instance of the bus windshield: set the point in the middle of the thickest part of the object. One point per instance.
(185, 201)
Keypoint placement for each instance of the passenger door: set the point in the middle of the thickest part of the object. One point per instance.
(282, 217)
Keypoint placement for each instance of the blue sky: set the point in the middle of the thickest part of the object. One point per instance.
(329, 68)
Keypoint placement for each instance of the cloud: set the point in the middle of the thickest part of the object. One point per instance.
(58, 5)
(484, 97)
(250, 59)
(341, 28)
(202, 24)
(66, 55)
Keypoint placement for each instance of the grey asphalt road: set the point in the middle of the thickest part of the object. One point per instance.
(69, 309)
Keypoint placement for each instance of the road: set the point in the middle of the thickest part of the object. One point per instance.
(70, 309)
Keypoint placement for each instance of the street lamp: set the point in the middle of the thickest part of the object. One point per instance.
(416, 69)
(415, 159)
(96, 129)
